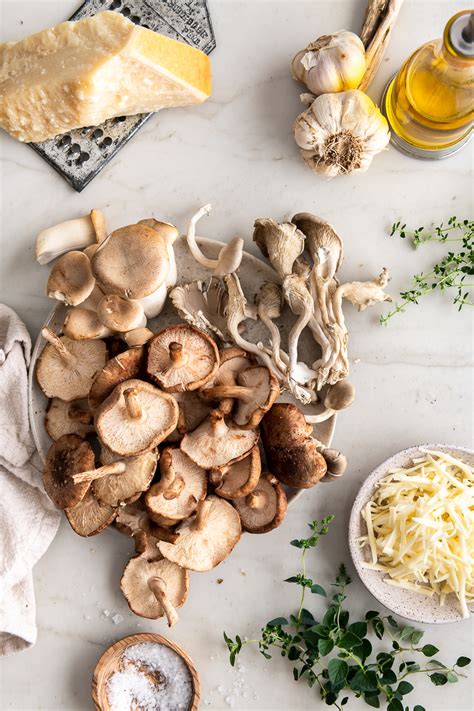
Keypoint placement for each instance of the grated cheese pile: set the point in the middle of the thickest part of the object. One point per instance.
(420, 528)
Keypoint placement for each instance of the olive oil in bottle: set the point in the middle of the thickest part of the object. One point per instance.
(429, 104)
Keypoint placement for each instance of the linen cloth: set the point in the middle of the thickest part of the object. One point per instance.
(28, 519)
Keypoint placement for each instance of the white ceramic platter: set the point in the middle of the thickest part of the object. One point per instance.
(411, 605)
(252, 273)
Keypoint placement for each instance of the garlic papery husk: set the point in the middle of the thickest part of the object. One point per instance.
(341, 133)
(332, 63)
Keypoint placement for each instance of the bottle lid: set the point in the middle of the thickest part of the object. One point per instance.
(460, 34)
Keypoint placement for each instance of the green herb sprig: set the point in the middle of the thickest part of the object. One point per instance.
(336, 655)
(451, 272)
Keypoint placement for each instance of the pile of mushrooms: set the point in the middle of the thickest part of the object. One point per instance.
(175, 435)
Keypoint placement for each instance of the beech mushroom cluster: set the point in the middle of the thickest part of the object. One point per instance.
(163, 439)
(116, 283)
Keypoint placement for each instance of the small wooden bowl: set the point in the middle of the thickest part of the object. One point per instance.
(108, 663)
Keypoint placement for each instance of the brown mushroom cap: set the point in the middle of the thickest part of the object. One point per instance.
(120, 314)
(264, 508)
(168, 231)
(81, 323)
(135, 418)
(66, 368)
(216, 443)
(71, 279)
(207, 538)
(232, 362)
(319, 234)
(181, 358)
(132, 520)
(132, 262)
(90, 517)
(118, 489)
(192, 411)
(68, 418)
(176, 495)
(154, 588)
(292, 457)
(237, 479)
(124, 366)
(67, 456)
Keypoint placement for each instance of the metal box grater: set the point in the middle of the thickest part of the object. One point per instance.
(80, 155)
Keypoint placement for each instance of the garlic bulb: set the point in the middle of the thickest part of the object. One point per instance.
(340, 133)
(332, 63)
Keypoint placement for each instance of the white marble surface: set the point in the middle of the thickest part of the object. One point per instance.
(413, 379)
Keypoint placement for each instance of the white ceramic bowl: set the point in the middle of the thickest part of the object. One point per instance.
(410, 605)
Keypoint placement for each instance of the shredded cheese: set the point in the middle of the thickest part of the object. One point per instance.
(420, 528)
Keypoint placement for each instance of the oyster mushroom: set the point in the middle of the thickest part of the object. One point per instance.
(269, 302)
(66, 368)
(154, 589)
(232, 361)
(202, 304)
(337, 397)
(281, 243)
(71, 279)
(292, 454)
(216, 443)
(67, 456)
(264, 508)
(125, 366)
(256, 390)
(120, 314)
(81, 324)
(126, 487)
(362, 293)
(135, 418)
(236, 480)
(90, 517)
(182, 485)
(230, 256)
(181, 358)
(207, 538)
(70, 235)
(68, 418)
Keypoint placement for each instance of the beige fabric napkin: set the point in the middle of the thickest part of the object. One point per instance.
(28, 520)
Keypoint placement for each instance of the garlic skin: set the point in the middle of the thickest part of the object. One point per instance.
(332, 63)
(340, 133)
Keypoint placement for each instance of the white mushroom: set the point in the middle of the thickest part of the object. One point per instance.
(82, 324)
(230, 256)
(71, 279)
(69, 235)
(153, 304)
(120, 314)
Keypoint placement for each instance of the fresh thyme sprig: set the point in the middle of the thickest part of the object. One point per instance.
(351, 667)
(450, 273)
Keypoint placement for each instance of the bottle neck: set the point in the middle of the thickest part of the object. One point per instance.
(458, 39)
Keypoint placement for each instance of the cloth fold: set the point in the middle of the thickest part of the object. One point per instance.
(28, 519)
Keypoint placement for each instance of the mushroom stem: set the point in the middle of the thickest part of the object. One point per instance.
(167, 473)
(158, 588)
(202, 514)
(92, 474)
(218, 426)
(132, 405)
(229, 391)
(77, 415)
(175, 489)
(191, 239)
(216, 476)
(177, 357)
(255, 500)
(69, 358)
(321, 417)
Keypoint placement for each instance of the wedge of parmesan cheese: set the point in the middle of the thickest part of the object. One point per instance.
(81, 73)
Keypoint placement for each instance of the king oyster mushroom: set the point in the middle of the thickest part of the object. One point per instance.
(124, 366)
(181, 358)
(133, 262)
(256, 390)
(135, 418)
(67, 456)
(232, 361)
(264, 508)
(216, 443)
(169, 233)
(70, 235)
(155, 589)
(71, 279)
(126, 487)
(68, 418)
(81, 324)
(182, 485)
(66, 368)
(238, 479)
(230, 256)
(90, 517)
(207, 538)
(292, 454)
(120, 314)
(202, 304)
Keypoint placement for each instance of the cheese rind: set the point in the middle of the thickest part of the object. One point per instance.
(81, 73)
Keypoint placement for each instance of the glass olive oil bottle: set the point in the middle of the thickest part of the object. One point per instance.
(429, 104)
